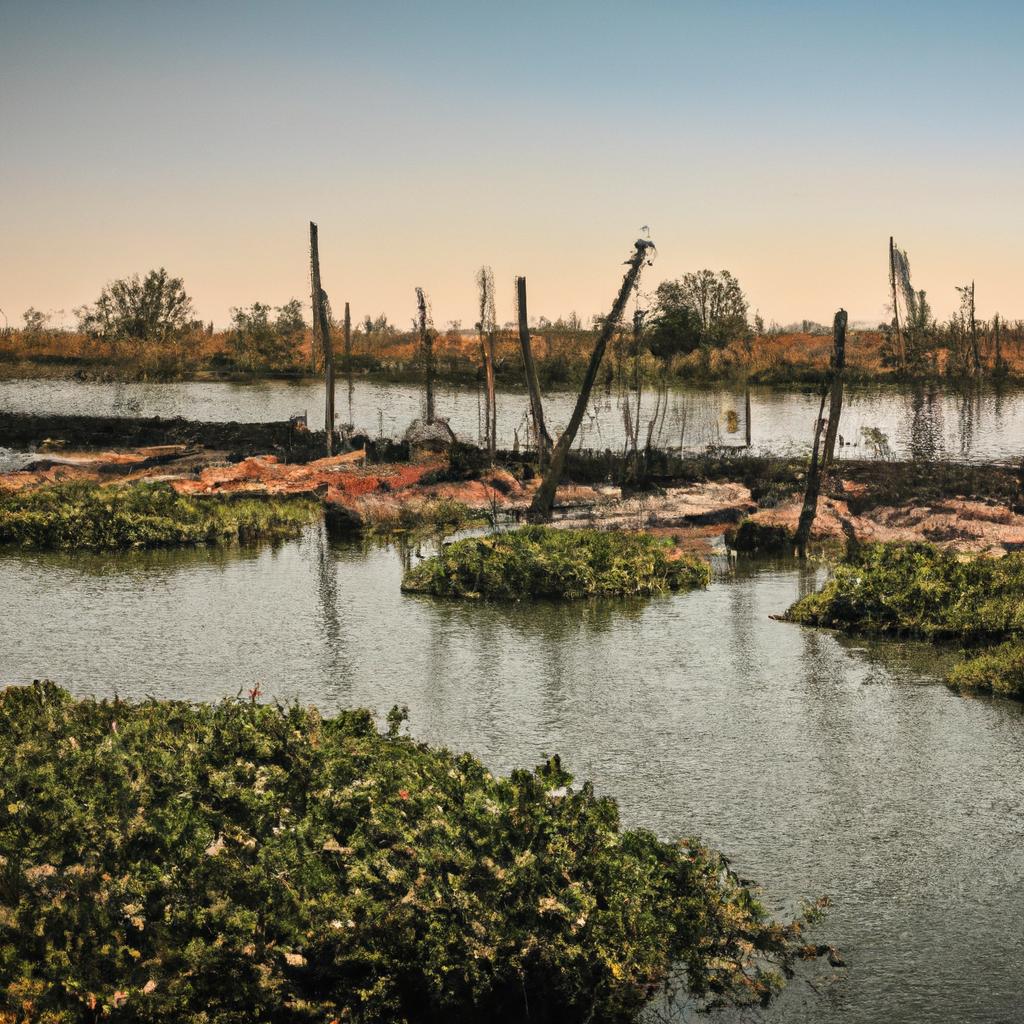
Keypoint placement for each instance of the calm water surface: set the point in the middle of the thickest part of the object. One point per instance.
(977, 425)
(821, 766)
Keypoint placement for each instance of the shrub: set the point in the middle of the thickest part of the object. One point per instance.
(999, 671)
(88, 516)
(541, 561)
(166, 862)
(919, 590)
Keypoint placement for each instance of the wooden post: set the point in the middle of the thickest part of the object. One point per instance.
(491, 397)
(322, 329)
(818, 464)
(427, 351)
(747, 430)
(540, 431)
(348, 340)
(895, 306)
(544, 500)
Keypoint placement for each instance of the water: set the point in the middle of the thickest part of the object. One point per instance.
(976, 425)
(820, 765)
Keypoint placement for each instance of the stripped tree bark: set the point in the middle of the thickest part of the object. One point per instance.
(544, 500)
(540, 431)
(322, 334)
(818, 462)
(426, 351)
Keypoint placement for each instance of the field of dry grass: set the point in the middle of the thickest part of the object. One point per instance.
(777, 358)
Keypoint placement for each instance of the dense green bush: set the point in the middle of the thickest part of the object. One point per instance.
(542, 561)
(919, 590)
(999, 671)
(168, 862)
(87, 516)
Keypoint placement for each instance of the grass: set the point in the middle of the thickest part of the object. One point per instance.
(86, 516)
(999, 671)
(438, 517)
(918, 590)
(168, 862)
(540, 561)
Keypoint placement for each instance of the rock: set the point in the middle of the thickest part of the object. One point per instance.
(429, 437)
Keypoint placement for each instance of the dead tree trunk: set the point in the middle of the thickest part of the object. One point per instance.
(975, 346)
(544, 500)
(492, 402)
(485, 284)
(427, 352)
(835, 407)
(540, 431)
(818, 463)
(322, 333)
(348, 339)
(901, 347)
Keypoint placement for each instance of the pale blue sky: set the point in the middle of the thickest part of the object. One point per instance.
(784, 141)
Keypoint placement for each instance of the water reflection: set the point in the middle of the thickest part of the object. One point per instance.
(922, 421)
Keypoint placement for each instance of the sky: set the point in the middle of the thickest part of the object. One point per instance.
(783, 141)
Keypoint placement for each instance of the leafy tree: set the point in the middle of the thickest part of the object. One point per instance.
(261, 344)
(153, 308)
(702, 309)
(35, 321)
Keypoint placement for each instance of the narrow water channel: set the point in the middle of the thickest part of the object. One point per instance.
(819, 765)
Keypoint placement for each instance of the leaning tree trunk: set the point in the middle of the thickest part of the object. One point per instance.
(818, 463)
(835, 406)
(532, 380)
(544, 500)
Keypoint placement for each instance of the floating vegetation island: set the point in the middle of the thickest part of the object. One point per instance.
(164, 862)
(918, 590)
(542, 561)
(87, 516)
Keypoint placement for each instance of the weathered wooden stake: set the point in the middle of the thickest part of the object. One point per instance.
(322, 331)
(747, 430)
(540, 431)
(818, 464)
(348, 339)
(544, 500)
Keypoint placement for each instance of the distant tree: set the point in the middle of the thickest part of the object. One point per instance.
(35, 321)
(704, 309)
(153, 308)
(261, 344)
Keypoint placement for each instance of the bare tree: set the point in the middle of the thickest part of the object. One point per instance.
(544, 500)
(426, 350)
(532, 380)
(487, 327)
(820, 459)
(322, 332)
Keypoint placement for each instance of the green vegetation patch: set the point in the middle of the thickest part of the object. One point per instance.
(439, 517)
(918, 590)
(229, 863)
(999, 671)
(88, 516)
(541, 561)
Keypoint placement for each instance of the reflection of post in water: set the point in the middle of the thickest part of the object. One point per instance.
(926, 423)
(327, 590)
(968, 416)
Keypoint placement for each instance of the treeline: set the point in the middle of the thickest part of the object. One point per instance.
(695, 327)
